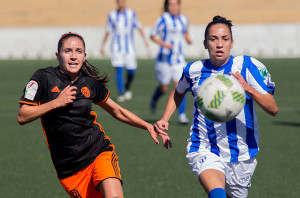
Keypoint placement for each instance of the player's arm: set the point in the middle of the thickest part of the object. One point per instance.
(29, 113)
(187, 37)
(141, 31)
(105, 37)
(130, 118)
(266, 101)
(161, 42)
(173, 103)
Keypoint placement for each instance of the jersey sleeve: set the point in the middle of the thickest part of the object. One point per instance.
(109, 24)
(136, 23)
(158, 27)
(101, 93)
(185, 82)
(259, 78)
(33, 90)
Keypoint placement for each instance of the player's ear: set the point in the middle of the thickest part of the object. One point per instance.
(232, 42)
(57, 56)
(205, 44)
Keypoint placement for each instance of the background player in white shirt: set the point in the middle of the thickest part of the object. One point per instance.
(222, 155)
(170, 32)
(121, 24)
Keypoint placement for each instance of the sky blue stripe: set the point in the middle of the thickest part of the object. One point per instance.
(195, 142)
(232, 140)
(248, 109)
(119, 43)
(125, 18)
(170, 54)
(250, 138)
(182, 24)
(126, 43)
(195, 135)
(212, 137)
(256, 74)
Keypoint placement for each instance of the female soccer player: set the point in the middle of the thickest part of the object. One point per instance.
(170, 31)
(62, 97)
(222, 155)
(121, 24)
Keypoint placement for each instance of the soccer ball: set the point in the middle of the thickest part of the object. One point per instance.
(220, 98)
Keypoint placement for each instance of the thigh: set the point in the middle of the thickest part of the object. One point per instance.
(209, 169)
(177, 72)
(163, 73)
(106, 166)
(117, 59)
(81, 184)
(111, 187)
(238, 177)
(130, 61)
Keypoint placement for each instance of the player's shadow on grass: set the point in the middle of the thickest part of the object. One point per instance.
(285, 123)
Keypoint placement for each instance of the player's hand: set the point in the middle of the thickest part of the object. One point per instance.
(164, 136)
(102, 52)
(167, 45)
(161, 126)
(66, 96)
(241, 80)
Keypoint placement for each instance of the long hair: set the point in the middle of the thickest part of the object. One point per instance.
(87, 68)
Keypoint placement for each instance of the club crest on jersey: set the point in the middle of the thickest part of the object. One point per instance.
(86, 92)
(31, 90)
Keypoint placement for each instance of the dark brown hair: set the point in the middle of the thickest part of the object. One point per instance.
(166, 5)
(218, 19)
(87, 68)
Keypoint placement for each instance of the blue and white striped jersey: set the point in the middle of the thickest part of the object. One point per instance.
(121, 25)
(236, 140)
(171, 30)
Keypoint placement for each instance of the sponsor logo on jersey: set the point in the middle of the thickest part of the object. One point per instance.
(31, 90)
(86, 92)
(55, 89)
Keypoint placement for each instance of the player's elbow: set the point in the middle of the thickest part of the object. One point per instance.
(20, 120)
(273, 111)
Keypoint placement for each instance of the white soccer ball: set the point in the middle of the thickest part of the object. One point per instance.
(220, 98)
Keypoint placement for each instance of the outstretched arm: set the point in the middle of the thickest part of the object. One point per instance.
(28, 113)
(266, 101)
(128, 117)
(173, 103)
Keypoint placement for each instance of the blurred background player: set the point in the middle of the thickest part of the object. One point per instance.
(170, 31)
(121, 24)
(223, 155)
(62, 97)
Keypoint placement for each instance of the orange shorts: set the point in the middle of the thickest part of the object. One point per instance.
(83, 183)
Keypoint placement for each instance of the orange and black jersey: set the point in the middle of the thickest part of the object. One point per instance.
(74, 137)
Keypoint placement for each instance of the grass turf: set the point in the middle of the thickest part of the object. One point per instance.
(148, 170)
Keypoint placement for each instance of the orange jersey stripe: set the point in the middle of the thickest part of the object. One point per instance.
(29, 103)
(105, 98)
(101, 128)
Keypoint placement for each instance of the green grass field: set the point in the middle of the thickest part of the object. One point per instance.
(148, 170)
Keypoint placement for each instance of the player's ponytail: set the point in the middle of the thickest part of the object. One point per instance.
(218, 19)
(89, 70)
